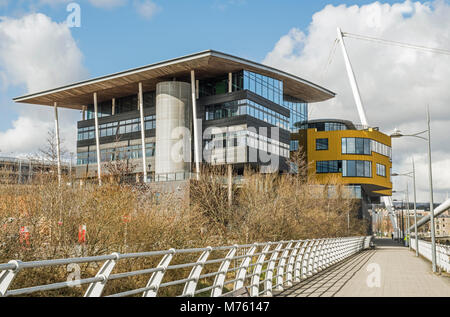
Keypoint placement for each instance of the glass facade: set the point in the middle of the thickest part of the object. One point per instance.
(321, 144)
(323, 126)
(117, 128)
(245, 107)
(353, 168)
(116, 153)
(364, 146)
(247, 138)
(264, 86)
(298, 110)
(123, 104)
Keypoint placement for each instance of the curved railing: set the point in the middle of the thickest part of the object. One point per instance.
(259, 268)
(442, 253)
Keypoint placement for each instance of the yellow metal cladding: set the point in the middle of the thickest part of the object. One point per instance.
(379, 184)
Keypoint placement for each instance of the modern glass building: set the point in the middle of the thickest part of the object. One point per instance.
(245, 113)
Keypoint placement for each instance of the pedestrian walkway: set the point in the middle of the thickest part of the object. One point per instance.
(387, 270)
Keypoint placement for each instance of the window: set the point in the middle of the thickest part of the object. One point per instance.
(353, 168)
(321, 144)
(119, 153)
(245, 106)
(267, 87)
(361, 146)
(381, 170)
(294, 145)
(118, 127)
(328, 167)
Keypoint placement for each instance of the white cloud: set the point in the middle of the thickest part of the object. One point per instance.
(146, 8)
(108, 4)
(37, 53)
(395, 83)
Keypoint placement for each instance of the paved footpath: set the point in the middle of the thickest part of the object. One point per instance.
(387, 270)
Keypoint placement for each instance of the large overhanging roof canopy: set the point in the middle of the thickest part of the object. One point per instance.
(206, 64)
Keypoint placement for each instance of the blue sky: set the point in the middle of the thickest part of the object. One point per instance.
(37, 51)
(118, 38)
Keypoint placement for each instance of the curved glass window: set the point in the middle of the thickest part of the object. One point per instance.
(356, 146)
(364, 146)
(353, 168)
(323, 126)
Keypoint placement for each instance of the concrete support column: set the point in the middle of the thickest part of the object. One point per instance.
(173, 133)
(97, 140)
(230, 82)
(113, 106)
(141, 110)
(83, 113)
(58, 150)
(196, 134)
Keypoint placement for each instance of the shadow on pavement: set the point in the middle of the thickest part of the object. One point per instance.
(330, 281)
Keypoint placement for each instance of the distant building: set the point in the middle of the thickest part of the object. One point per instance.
(24, 171)
(358, 157)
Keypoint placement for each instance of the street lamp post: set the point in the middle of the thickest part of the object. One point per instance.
(413, 176)
(397, 134)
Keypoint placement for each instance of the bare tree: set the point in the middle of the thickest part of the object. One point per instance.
(48, 152)
(119, 168)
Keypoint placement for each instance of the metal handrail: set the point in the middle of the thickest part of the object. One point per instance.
(442, 253)
(262, 267)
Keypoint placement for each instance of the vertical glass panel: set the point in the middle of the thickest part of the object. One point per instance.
(367, 146)
(351, 168)
(367, 169)
(360, 168)
(359, 144)
(344, 145)
(350, 145)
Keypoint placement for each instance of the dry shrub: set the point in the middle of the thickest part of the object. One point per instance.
(125, 218)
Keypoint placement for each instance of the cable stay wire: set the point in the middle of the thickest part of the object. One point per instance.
(395, 43)
(325, 71)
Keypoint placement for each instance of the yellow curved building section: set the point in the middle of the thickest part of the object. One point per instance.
(376, 185)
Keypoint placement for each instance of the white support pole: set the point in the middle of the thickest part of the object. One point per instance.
(196, 135)
(197, 89)
(97, 140)
(58, 150)
(141, 111)
(353, 83)
(230, 82)
(113, 106)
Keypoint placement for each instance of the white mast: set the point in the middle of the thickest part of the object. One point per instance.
(353, 84)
